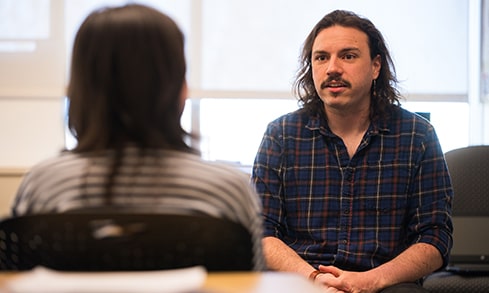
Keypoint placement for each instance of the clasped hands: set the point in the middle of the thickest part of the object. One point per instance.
(339, 281)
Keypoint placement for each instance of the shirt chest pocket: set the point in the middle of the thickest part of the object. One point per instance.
(386, 177)
(383, 189)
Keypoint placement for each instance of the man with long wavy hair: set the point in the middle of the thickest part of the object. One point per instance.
(355, 189)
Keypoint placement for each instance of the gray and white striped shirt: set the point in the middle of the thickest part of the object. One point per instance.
(160, 181)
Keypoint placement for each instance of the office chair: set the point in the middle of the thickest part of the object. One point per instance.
(123, 242)
(469, 170)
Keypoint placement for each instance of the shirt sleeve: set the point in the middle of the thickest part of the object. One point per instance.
(266, 176)
(432, 197)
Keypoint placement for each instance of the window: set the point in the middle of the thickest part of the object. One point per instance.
(237, 132)
(451, 132)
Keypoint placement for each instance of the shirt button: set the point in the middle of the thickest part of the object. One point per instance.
(346, 212)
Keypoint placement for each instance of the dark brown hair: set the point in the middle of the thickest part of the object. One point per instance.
(127, 76)
(383, 96)
(127, 72)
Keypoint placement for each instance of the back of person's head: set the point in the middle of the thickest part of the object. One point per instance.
(384, 94)
(127, 83)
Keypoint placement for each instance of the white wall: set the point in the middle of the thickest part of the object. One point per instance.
(31, 129)
(32, 85)
(32, 81)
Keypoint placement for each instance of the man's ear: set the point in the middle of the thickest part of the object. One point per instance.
(376, 65)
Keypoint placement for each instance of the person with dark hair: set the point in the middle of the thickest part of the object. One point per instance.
(126, 93)
(355, 189)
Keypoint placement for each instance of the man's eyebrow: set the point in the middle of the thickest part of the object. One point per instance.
(319, 52)
(349, 49)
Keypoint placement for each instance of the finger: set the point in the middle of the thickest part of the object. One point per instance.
(330, 269)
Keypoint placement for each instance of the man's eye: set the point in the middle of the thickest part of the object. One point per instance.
(349, 56)
(320, 58)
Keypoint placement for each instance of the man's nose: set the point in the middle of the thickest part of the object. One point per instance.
(334, 66)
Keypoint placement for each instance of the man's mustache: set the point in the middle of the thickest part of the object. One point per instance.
(334, 79)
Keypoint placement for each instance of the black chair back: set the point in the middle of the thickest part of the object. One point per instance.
(469, 171)
(123, 242)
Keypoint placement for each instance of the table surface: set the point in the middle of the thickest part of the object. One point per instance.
(230, 282)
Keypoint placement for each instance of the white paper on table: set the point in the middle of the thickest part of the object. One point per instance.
(165, 281)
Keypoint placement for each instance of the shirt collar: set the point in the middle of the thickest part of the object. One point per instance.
(317, 122)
